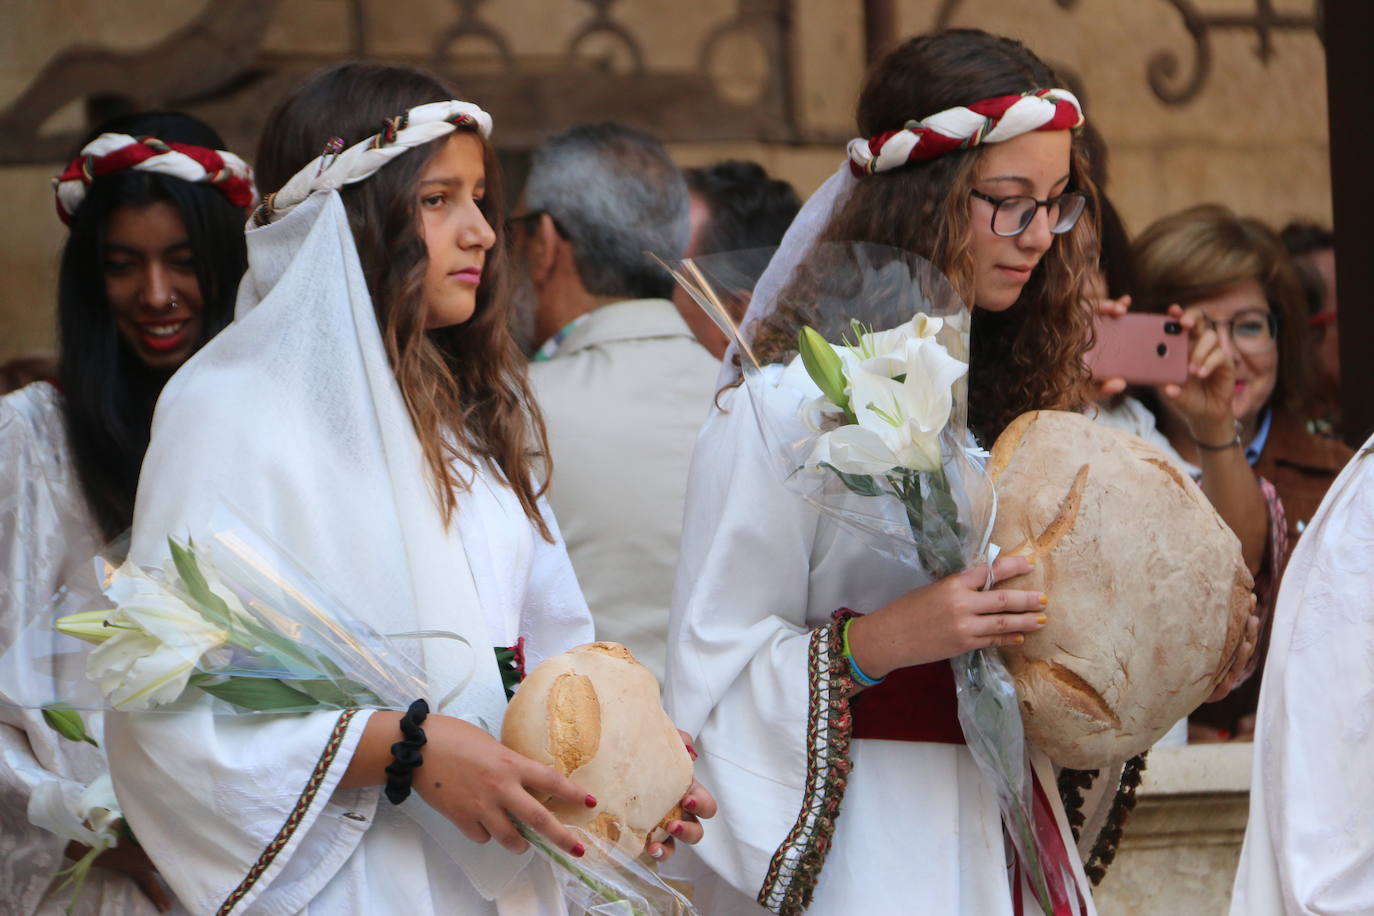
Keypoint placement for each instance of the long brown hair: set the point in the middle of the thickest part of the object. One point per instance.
(465, 386)
(1029, 356)
(1205, 250)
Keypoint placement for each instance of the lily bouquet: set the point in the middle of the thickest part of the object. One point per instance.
(236, 621)
(878, 440)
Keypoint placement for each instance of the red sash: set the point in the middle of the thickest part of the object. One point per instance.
(919, 704)
(911, 704)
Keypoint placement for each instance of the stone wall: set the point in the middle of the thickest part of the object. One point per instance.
(772, 80)
(1180, 849)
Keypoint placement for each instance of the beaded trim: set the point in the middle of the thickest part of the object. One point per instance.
(1072, 785)
(796, 865)
(293, 820)
(1104, 850)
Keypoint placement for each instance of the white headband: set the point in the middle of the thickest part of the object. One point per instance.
(335, 168)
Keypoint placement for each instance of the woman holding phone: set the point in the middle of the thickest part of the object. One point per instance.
(1229, 280)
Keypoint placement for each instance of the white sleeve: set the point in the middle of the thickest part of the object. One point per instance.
(222, 803)
(554, 617)
(1308, 844)
(45, 534)
(747, 674)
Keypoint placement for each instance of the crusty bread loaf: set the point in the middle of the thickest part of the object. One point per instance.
(1149, 594)
(593, 714)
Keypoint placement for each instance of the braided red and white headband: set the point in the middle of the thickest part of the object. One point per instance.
(108, 153)
(988, 121)
(337, 166)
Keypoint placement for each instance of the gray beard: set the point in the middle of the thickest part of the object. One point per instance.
(524, 307)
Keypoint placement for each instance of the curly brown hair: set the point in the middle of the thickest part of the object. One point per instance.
(1028, 357)
(465, 386)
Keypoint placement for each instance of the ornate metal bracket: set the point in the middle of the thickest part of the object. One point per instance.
(1164, 70)
(215, 67)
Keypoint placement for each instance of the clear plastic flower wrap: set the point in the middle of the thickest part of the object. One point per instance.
(607, 881)
(856, 367)
(234, 621)
(233, 618)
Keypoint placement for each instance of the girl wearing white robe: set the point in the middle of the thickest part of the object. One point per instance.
(47, 541)
(813, 818)
(70, 463)
(920, 829)
(294, 418)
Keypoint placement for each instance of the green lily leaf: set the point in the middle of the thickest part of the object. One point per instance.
(340, 694)
(260, 694)
(211, 605)
(861, 484)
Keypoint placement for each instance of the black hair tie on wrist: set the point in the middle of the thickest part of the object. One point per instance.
(401, 771)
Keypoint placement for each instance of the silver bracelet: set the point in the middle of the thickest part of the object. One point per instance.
(1218, 448)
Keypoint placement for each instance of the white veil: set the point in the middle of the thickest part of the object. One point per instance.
(798, 240)
(292, 419)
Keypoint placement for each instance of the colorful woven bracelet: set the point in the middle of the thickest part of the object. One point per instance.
(863, 679)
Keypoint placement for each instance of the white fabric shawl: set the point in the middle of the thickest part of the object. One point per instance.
(1309, 845)
(292, 416)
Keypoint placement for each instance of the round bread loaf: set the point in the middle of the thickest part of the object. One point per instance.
(1148, 592)
(593, 714)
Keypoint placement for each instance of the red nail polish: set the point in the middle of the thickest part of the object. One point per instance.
(677, 829)
(589, 801)
(692, 752)
(578, 851)
(690, 804)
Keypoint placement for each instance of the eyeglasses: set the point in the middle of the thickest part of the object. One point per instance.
(1012, 215)
(1253, 332)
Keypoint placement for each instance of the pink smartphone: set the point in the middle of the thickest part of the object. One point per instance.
(1142, 349)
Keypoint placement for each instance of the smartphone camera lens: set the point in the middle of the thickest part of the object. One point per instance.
(1162, 349)
(1172, 327)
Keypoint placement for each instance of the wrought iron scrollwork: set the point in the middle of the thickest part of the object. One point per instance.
(1165, 70)
(604, 23)
(470, 24)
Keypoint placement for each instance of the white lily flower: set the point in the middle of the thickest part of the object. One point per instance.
(884, 352)
(98, 811)
(158, 641)
(90, 816)
(899, 422)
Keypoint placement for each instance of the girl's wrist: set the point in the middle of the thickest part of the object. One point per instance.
(868, 652)
(1216, 435)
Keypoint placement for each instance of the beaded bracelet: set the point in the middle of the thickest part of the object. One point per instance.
(863, 679)
(401, 771)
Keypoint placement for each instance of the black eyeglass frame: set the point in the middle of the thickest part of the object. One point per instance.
(1059, 199)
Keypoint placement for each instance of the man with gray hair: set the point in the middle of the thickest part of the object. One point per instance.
(622, 382)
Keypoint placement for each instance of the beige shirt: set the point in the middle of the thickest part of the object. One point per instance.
(623, 398)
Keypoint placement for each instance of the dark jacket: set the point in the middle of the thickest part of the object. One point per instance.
(1301, 466)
